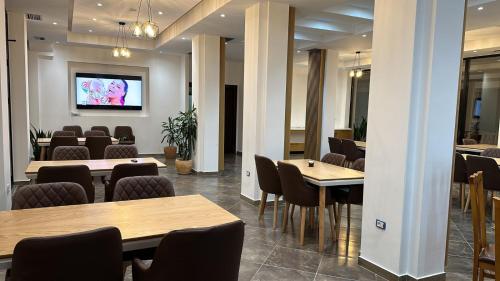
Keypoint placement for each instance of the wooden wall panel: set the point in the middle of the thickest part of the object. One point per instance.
(289, 77)
(222, 100)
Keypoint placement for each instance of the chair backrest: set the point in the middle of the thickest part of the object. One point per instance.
(91, 255)
(212, 253)
(128, 170)
(359, 165)
(71, 153)
(74, 128)
(94, 133)
(97, 145)
(497, 234)
(120, 151)
(350, 150)
(123, 132)
(460, 171)
(61, 141)
(489, 167)
(335, 145)
(267, 174)
(478, 212)
(101, 128)
(334, 159)
(469, 141)
(491, 152)
(294, 187)
(74, 173)
(143, 187)
(63, 134)
(48, 195)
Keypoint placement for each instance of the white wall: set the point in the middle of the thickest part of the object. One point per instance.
(234, 76)
(165, 72)
(299, 96)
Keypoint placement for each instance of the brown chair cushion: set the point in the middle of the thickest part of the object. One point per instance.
(94, 133)
(143, 187)
(101, 128)
(48, 195)
(267, 174)
(124, 134)
(491, 152)
(97, 145)
(334, 159)
(489, 167)
(73, 173)
(74, 128)
(120, 151)
(71, 153)
(127, 170)
(487, 254)
(335, 145)
(469, 141)
(61, 141)
(63, 134)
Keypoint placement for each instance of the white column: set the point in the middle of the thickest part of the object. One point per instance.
(342, 99)
(206, 72)
(412, 111)
(18, 62)
(266, 43)
(5, 171)
(330, 97)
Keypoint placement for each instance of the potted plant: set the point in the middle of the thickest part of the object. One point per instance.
(360, 130)
(169, 135)
(35, 134)
(186, 126)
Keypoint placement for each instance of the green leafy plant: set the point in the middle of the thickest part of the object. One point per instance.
(186, 126)
(360, 130)
(35, 134)
(169, 131)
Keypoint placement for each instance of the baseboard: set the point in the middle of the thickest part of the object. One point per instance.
(250, 201)
(393, 277)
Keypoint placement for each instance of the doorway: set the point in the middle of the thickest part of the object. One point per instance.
(230, 117)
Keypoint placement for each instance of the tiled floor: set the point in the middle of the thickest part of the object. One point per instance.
(268, 254)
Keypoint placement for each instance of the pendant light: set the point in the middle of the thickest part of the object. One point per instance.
(123, 50)
(149, 28)
(356, 70)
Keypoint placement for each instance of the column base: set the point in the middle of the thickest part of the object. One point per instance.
(393, 277)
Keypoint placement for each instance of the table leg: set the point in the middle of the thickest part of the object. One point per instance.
(321, 217)
(43, 152)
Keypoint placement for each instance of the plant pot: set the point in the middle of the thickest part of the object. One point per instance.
(183, 167)
(170, 152)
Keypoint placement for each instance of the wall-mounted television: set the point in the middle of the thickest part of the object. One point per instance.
(108, 91)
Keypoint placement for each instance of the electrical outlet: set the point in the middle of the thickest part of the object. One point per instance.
(380, 224)
(248, 173)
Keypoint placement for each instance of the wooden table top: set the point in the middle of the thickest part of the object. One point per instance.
(475, 147)
(496, 159)
(136, 219)
(325, 172)
(94, 165)
(360, 144)
(81, 141)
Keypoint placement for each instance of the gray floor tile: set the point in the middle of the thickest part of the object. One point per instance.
(295, 259)
(270, 273)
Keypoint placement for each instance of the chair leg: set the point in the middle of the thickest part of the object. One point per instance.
(275, 218)
(285, 216)
(331, 216)
(462, 196)
(339, 221)
(303, 213)
(467, 203)
(262, 206)
(293, 211)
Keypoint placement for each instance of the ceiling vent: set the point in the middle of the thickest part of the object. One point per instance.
(33, 17)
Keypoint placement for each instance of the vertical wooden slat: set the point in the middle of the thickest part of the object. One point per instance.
(222, 100)
(289, 77)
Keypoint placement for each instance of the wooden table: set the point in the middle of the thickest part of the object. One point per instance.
(142, 223)
(44, 143)
(496, 159)
(360, 144)
(474, 148)
(101, 167)
(326, 175)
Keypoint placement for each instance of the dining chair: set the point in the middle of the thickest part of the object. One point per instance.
(48, 195)
(351, 151)
(460, 177)
(491, 174)
(90, 255)
(269, 183)
(298, 192)
(200, 254)
(74, 128)
(334, 159)
(467, 141)
(127, 170)
(335, 145)
(79, 174)
(484, 253)
(63, 134)
(143, 187)
(97, 145)
(351, 195)
(124, 134)
(94, 133)
(61, 141)
(491, 152)
(120, 151)
(71, 153)
(497, 237)
(101, 128)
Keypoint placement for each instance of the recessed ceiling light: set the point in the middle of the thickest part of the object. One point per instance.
(364, 35)
(184, 38)
(90, 30)
(298, 51)
(57, 42)
(474, 51)
(54, 23)
(225, 43)
(480, 8)
(99, 4)
(160, 13)
(222, 15)
(94, 19)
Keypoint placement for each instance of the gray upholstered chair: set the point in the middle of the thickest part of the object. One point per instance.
(334, 159)
(48, 195)
(120, 151)
(74, 128)
(143, 187)
(61, 141)
(94, 133)
(101, 128)
(124, 134)
(97, 145)
(63, 134)
(491, 152)
(71, 153)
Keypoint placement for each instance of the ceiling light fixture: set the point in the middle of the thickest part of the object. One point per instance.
(222, 15)
(122, 51)
(94, 19)
(298, 51)
(474, 51)
(480, 8)
(149, 28)
(160, 13)
(99, 4)
(90, 30)
(356, 70)
(364, 35)
(54, 23)
(184, 38)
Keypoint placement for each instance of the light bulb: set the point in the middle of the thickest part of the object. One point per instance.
(137, 30)
(150, 29)
(359, 73)
(123, 52)
(116, 52)
(351, 73)
(127, 53)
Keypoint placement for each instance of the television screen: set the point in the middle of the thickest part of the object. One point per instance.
(107, 91)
